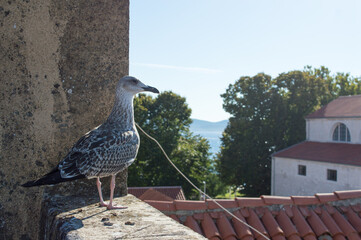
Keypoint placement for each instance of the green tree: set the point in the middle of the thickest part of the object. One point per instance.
(341, 84)
(167, 118)
(298, 93)
(243, 159)
(267, 116)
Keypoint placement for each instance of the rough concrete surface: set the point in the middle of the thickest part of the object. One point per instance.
(70, 218)
(60, 62)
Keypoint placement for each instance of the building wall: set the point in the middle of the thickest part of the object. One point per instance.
(60, 62)
(286, 181)
(321, 129)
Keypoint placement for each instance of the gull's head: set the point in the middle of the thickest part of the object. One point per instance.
(133, 85)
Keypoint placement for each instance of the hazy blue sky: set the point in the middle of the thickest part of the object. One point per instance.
(196, 48)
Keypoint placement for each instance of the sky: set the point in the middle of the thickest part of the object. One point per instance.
(196, 48)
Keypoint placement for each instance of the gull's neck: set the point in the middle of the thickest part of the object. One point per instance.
(122, 114)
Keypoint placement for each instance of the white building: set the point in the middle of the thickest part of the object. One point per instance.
(329, 159)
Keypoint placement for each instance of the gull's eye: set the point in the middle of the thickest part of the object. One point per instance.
(135, 81)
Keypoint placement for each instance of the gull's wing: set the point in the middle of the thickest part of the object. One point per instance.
(101, 152)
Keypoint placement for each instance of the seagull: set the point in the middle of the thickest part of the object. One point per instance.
(107, 149)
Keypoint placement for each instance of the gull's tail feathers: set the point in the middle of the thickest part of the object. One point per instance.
(51, 178)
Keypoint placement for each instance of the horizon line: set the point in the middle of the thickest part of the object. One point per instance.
(209, 120)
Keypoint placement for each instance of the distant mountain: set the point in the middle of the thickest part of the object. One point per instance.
(212, 131)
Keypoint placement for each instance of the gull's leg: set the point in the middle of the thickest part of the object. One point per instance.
(99, 186)
(112, 186)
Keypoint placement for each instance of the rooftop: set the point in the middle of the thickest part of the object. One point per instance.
(342, 153)
(344, 106)
(158, 193)
(334, 215)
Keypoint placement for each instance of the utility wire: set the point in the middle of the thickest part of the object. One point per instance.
(199, 190)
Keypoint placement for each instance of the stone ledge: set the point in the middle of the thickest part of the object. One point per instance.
(81, 217)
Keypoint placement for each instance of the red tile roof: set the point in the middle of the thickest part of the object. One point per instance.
(342, 153)
(152, 194)
(174, 192)
(345, 106)
(334, 215)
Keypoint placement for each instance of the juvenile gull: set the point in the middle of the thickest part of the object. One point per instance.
(107, 149)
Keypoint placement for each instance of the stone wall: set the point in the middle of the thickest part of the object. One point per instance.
(80, 217)
(60, 61)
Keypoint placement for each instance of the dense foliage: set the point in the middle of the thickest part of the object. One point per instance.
(167, 118)
(267, 115)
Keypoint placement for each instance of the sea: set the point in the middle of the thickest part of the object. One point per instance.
(212, 131)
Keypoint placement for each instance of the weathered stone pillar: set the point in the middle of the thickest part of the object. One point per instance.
(60, 61)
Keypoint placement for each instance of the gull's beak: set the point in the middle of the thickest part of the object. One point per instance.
(150, 89)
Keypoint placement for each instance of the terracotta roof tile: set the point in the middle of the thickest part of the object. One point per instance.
(225, 228)
(356, 208)
(209, 227)
(338, 237)
(174, 217)
(330, 209)
(243, 232)
(174, 192)
(343, 208)
(354, 219)
(287, 226)
(330, 223)
(305, 211)
(162, 205)
(344, 106)
(247, 238)
(271, 224)
(318, 210)
(341, 153)
(345, 226)
(278, 237)
(250, 202)
(152, 194)
(244, 212)
(198, 216)
(215, 238)
(301, 224)
(190, 205)
(323, 216)
(288, 211)
(273, 200)
(348, 194)
(226, 203)
(192, 224)
(309, 237)
(255, 222)
(214, 215)
(293, 237)
(305, 200)
(326, 197)
(317, 225)
(259, 211)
